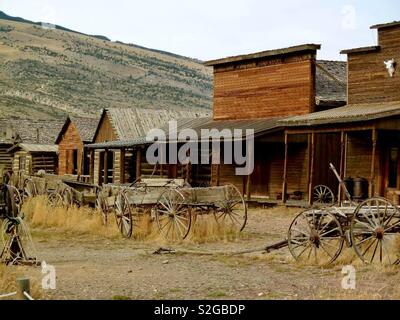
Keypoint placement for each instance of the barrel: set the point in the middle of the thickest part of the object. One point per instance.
(349, 183)
(360, 189)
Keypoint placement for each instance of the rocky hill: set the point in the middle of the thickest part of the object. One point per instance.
(47, 73)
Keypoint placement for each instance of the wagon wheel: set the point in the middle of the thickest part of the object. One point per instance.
(315, 235)
(68, 197)
(173, 215)
(322, 195)
(374, 231)
(29, 189)
(17, 198)
(232, 211)
(54, 200)
(123, 215)
(101, 204)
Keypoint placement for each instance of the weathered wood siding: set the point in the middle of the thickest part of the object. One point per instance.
(70, 141)
(5, 158)
(368, 78)
(265, 88)
(359, 158)
(105, 131)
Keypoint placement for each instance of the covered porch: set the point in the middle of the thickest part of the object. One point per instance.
(362, 142)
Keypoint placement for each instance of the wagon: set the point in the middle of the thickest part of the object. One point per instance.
(371, 228)
(174, 206)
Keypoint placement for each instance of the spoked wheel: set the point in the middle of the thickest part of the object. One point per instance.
(173, 216)
(375, 231)
(17, 198)
(123, 215)
(233, 211)
(322, 195)
(68, 197)
(315, 236)
(102, 206)
(55, 200)
(30, 190)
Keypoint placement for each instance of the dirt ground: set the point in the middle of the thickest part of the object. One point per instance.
(93, 267)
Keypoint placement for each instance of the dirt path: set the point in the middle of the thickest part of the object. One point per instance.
(90, 267)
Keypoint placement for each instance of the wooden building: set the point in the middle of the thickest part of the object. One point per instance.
(29, 159)
(73, 158)
(119, 143)
(362, 138)
(258, 90)
(14, 131)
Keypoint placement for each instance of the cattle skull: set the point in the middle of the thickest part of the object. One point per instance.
(391, 66)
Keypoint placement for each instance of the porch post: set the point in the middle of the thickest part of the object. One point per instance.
(342, 161)
(105, 181)
(372, 180)
(138, 163)
(311, 169)
(122, 166)
(284, 185)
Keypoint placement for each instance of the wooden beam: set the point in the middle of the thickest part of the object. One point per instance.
(311, 170)
(284, 186)
(373, 157)
(342, 163)
(138, 163)
(122, 166)
(105, 176)
(218, 166)
(327, 130)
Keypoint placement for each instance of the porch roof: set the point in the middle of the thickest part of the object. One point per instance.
(259, 126)
(346, 114)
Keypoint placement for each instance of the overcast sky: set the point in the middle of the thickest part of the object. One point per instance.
(208, 29)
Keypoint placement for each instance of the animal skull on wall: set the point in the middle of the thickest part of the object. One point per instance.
(391, 66)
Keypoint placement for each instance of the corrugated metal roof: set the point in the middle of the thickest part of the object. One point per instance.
(133, 123)
(45, 148)
(198, 124)
(347, 114)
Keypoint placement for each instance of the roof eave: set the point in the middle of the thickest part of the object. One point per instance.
(361, 50)
(264, 54)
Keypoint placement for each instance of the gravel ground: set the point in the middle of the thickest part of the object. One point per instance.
(91, 267)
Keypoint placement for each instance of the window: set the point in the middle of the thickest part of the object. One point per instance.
(75, 161)
(393, 167)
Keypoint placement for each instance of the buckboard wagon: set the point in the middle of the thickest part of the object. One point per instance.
(371, 228)
(172, 205)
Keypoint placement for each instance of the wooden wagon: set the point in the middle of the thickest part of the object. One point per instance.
(173, 206)
(371, 228)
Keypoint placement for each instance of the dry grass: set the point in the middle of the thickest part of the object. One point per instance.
(73, 219)
(88, 221)
(8, 276)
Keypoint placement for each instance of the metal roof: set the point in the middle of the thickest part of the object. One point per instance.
(259, 126)
(133, 123)
(44, 148)
(346, 114)
(263, 54)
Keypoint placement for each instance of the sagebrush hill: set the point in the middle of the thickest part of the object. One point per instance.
(48, 73)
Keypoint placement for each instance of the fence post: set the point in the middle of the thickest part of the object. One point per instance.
(23, 285)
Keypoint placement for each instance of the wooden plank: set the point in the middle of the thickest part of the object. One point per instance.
(311, 170)
(373, 157)
(284, 186)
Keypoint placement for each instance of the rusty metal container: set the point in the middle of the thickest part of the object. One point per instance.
(349, 183)
(360, 189)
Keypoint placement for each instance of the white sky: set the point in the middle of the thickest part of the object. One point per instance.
(209, 29)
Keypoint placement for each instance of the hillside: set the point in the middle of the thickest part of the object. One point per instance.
(47, 73)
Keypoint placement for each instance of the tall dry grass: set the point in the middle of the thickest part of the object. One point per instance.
(89, 221)
(83, 220)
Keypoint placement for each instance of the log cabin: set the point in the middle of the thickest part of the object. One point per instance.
(119, 143)
(362, 139)
(73, 158)
(14, 131)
